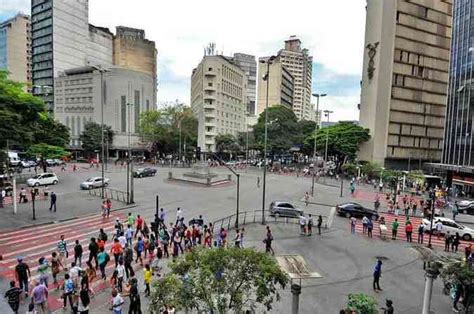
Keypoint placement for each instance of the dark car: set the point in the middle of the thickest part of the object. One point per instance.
(144, 172)
(356, 210)
(284, 209)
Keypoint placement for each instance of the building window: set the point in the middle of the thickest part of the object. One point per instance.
(137, 109)
(123, 113)
(147, 105)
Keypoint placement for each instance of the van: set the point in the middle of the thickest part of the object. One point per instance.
(13, 159)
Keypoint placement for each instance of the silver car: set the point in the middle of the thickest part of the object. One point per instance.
(94, 182)
(284, 209)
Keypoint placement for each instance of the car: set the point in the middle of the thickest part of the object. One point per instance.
(93, 182)
(466, 207)
(450, 225)
(58, 162)
(144, 172)
(6, 185)
(284, 209)
(352, 209)
(27, 163)
(46, 178)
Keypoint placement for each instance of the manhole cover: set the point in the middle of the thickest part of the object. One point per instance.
(382, 258)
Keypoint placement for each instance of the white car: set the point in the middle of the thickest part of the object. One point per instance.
(46, 178)
(94, 182)
(450, 225)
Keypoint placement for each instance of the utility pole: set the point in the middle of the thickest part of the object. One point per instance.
(327, 113)
(315, 133)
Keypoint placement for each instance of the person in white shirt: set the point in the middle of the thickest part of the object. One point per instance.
(122, 240)
(439, 228)
(74, 273)
(120, 274)
(303, 225)
(117, 302)
(179, 215)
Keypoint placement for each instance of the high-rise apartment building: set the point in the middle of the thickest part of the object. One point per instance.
(63, 39)
(218, 99)
(15, 48)
(300, 64)
(249, 65)
(458, 151)
(281, 85)
(405, 81)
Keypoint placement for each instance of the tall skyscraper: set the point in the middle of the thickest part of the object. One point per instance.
(249, 65)
(405, 80)
(15, 48)
(281, 85)
(300, 64)
(458, 151)
(218, 99)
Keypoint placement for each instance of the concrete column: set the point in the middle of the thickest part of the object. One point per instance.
(430, 276)
(295, 291)
(14, 199)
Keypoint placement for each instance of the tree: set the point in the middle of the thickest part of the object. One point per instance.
(220, 280)
(350, 169)
(371, 170)
(362, 303)
(226, 143)
(344, 139)
(91, 137)
(50, 131)
(47, 151)
(283, 130)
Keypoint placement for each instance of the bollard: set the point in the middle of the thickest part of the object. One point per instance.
(295, 291)
(430, 276)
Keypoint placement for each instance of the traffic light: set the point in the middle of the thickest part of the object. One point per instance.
(198, 152)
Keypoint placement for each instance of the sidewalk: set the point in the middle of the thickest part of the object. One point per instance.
(69, 206)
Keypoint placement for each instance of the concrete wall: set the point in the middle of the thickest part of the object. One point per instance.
(100, 47)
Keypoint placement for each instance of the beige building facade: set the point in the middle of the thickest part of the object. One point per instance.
(280, 85)
(405, 81)
(15, 48)
(218, 99)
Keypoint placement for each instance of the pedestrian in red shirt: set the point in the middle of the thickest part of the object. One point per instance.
(117, 251)
(409, 231)
(139, 226)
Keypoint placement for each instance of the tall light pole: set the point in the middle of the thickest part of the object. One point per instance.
(247, 138)
(130, 157)
(102, 100)
(326, 114)
(266, 77)
(315, 133)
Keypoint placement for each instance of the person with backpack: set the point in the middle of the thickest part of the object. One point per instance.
(118, 227)
(139, 248)
(68, 292)
(78, 253)
(117, 251)
(103, 258)
(83, 302)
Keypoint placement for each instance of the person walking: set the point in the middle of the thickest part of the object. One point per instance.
(128, 259)
(162, 218)
(93, 251)
(258, 182)
(447, 241)
(139, 248)
(83, 302)
(306, 198)
(39, 296)
(302, 225)
(78, 253)
(117, 251)
(365, 220)
(320, 223)
(120, 269)
(147, 276)
(456, 242)
(439, 229)
(117, 302)
(42, 269)
(68, 292)
(179, 215)
(395, 225)
(103, 258)
(455, 210)
(409, 231)
(108, 204)
(62, 250)
(139, 226)
(310, 225)
(377, 275)
(13, 297)
(53, 199)
(237, 238)
(353, 223)
(370, 227)
(268, 241)
(22, 274)
(421, 233)
(135, 304)
(23, 198)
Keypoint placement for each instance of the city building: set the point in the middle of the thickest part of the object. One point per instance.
(300, 64)
(281, 85)
(15, 48)
(63, 39)
(458, 158)
(405, 81)
(249, 65)
(218, 99)
(127, 94)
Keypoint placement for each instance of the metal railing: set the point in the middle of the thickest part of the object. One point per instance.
(117, 195)
(250, 217)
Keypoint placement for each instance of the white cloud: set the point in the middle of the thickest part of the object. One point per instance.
(332, 30)
(15, 5)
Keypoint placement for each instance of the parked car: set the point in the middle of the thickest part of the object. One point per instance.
(351, 209)
(58, 162)
(284, 209)
(27, 163)
(6, 185)
(46, 178)
(144, 172)
(466, 207)
(93, 182)
(450, 225)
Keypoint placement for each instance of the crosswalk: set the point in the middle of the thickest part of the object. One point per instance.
(401, 235)
(35, 242)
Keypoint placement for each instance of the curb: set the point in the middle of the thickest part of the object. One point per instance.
(66, 219)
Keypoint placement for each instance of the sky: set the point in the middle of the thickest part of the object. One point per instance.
(332, 31)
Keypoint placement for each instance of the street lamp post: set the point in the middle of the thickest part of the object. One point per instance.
(315, 133)
(237, 209)
(432, 197)
(130, 157)
(326, 114)
(266, 77)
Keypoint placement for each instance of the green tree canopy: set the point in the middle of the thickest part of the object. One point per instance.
(226, 143)
(344, 139)
(371, 170)
(47, 151)
(220, 280)
(282, 129)
(91, 137)
(161, 128)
